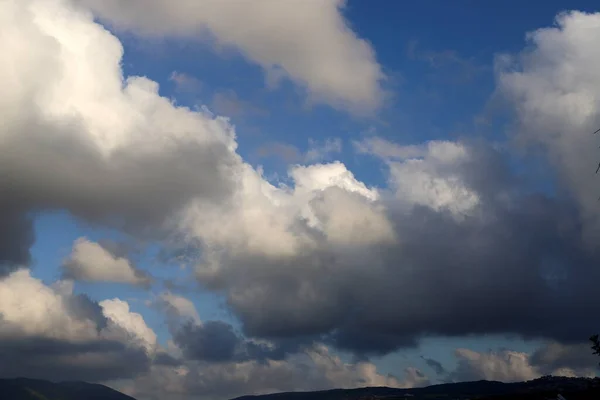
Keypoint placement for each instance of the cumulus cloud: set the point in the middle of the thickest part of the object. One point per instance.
(553, 87)
(91, 262)
(50, 333)
(309, 43)
(80, 137)
(453, 246)
(512, 366)
(334, 258)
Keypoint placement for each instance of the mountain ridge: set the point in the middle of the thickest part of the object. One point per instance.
(544, 388)
(38, 389)
(547, 387)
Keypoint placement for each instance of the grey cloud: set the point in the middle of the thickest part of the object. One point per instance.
(515, 267)
(437, 366)
(510, 366)
(50, 333)
(212, 341)
(82, 307)
(16, 236)
(165, 359)
(555, 356)
(216, 341)
(43, 358)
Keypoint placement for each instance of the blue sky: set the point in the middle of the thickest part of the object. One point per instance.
(442, 85)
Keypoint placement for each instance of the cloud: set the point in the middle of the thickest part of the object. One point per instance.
(50, 333)
(177, 307)
(511, 366)
(504, 366)
(456, 245)
(308, 43)
(117, 311)
(331, 257)
(91, 262)
(437, 367)
(553, 88)
(79, 137)
(569, 360)
(314, 369)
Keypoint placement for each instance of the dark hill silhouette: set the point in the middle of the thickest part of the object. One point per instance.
(34, 389)
(538, 389)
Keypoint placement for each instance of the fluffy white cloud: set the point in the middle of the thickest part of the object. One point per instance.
(50, 333)
(78, 136)
(30, 308)
(427, 175)
(307, 42)
(324, 257)
(117, 311)
(554, 89)
(89, 261)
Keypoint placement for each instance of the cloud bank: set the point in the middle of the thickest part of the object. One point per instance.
(455, 244)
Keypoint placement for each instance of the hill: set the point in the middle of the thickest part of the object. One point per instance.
(539, 389)
(34, 389)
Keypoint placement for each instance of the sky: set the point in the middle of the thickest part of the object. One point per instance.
(206, 199)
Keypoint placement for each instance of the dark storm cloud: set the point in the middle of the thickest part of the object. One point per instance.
(554, 356)
(517, 266)
(43, 358)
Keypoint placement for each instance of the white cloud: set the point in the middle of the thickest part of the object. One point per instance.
(30, 308)
(117, 311)
(78, 136)
(89, 261)
(307, 42)
(178, 306)
(554, 89)
(48, 332)
(428, 175)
